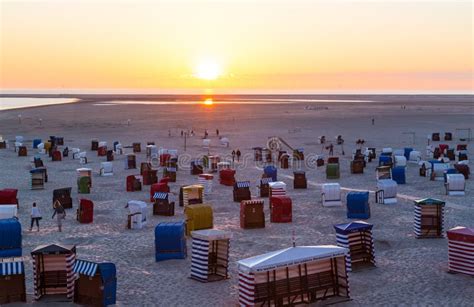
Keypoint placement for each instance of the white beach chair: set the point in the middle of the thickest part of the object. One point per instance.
(206, 182)
(41, 149)
(331, 195)
(400, 161)
(438, 170)
(427, 167)
(225, 142)
(455, 185)
(106, 169)
(415, 157)
(429, 150)
(17, 145)
(75, 153)
(386, 191)
(387, 150)
(151, 151)
(118, 149)
(399, 152)
(83, 157)
(137, 214)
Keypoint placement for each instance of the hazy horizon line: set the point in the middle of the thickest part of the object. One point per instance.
(210, 92)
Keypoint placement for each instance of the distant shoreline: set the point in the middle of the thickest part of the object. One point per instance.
(216, 96)
(246, 98)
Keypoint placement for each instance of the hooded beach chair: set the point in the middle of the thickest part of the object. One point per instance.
(84, 185)
(170, 241)
(455, 184)
(386, 191)
(164, 204)
(106, 169)
(299, 180)
(358, 205)
(331, 195)
(137, 214)
(429, 218)
(242, 191)
(252, 214)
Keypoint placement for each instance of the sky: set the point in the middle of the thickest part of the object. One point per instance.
(259, 46)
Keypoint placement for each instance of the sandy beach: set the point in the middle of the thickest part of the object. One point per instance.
(409, 271)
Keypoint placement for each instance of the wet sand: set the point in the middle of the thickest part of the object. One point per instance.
(409, 271)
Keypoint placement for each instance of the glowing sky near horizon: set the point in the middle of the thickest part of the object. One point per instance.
(285, 45)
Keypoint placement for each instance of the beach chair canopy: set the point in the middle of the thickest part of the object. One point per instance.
(289, 256)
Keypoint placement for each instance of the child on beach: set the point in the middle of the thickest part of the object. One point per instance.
(59, 213)
(35, 217)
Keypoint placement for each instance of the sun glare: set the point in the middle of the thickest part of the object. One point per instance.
(208, 102)
(207, 70)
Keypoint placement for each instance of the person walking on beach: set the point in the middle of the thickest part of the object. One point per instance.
(238, 153)
(217, 132)
(35, 217)
(331, 149)
(59, 213)
(373, 121)
(233, 156)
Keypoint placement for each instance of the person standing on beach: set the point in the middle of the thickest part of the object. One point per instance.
(217, 132)
(35, 217)
(59, 213)
(233, 156)
(331, 149)
(373, 121)
(238, 153)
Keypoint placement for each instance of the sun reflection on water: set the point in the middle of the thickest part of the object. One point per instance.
(208, 102)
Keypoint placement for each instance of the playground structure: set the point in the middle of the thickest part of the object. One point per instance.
(274, 145)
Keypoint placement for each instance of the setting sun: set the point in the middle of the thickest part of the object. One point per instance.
(208, 102)
(208, 70)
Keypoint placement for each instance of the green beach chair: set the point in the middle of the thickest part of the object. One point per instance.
(84, 185)
(332, 171)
